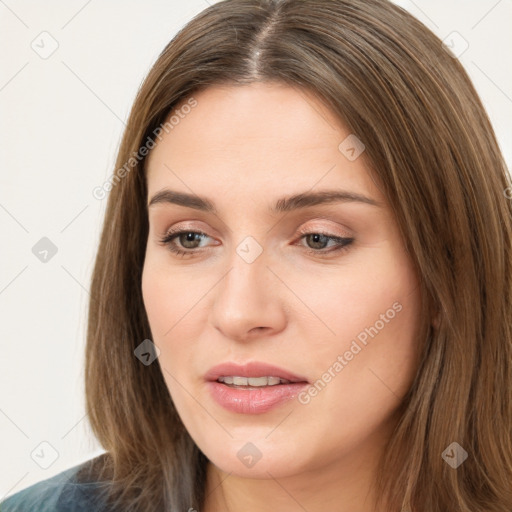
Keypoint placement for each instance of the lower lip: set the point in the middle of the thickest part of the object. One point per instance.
(254, 401)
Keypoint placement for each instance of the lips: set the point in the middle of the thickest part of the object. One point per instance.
(253, 388)
(252, 370)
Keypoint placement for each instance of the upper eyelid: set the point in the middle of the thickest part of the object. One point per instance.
(309, 230)
(329, 230)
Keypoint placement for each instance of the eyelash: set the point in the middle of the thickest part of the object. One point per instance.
(343, 243)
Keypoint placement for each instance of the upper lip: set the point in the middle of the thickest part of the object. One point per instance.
(252, 369)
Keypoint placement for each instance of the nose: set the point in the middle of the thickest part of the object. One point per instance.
(249, 300)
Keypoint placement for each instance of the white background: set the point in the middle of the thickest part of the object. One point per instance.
(61, 120)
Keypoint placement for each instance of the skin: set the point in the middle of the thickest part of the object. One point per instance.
(244, 147)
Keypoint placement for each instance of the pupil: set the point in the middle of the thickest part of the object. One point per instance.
(189, 237)
(317, 239)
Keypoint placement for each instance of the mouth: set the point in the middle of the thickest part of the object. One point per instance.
(252, 382)
(254, 374)
(253, 388)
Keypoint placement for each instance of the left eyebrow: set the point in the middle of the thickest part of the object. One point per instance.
(284, 204)
(308, 199)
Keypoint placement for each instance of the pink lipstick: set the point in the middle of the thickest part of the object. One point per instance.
(253, 388)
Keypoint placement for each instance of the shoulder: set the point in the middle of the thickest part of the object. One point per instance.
(67, 491)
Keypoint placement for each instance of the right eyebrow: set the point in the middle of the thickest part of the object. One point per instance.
(183, 199)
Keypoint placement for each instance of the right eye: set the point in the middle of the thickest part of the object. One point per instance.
(187, 240)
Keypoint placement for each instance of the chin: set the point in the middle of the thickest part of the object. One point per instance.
(277, 466)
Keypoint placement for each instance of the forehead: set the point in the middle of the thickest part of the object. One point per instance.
(241, 117)
(262, 136)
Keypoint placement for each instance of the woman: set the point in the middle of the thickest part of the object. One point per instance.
(302, 294)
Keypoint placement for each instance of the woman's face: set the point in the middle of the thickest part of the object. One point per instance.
(321, 290)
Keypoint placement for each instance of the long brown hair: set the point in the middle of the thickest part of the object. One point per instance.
(434, 153)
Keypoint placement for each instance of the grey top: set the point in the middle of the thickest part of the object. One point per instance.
(60, 493)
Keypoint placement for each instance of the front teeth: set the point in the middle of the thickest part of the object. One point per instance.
(253, 381)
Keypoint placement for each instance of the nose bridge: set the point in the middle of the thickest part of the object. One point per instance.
(249, 274)
(246, 297)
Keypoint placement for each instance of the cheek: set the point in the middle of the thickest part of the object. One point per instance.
(377, 289)
(177, 311)
(366, 364)
(170, 297)
(158, 302)
(166, 310)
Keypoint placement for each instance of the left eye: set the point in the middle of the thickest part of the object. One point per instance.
(189, 240)
(321, 239)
